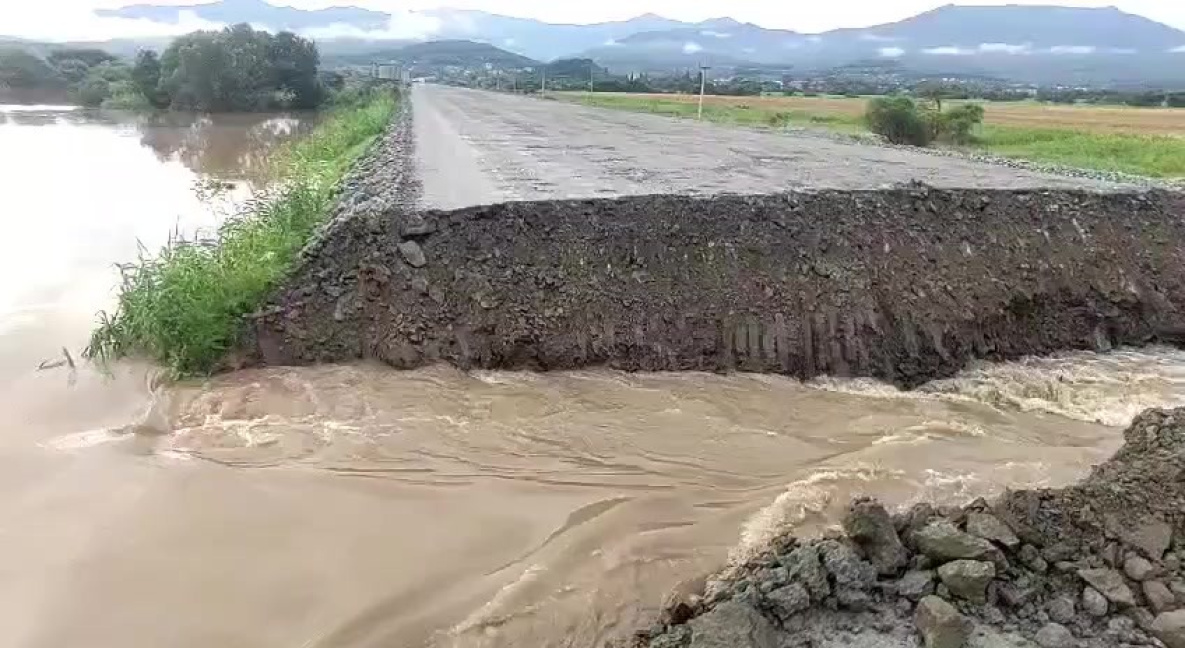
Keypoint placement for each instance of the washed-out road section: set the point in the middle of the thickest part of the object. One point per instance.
(475, 147)
(527, 234)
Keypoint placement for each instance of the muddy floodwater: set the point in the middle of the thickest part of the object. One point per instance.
(355, 506)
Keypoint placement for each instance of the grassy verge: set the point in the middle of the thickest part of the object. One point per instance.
(183, 306)
(738, 112)
(1154, 156)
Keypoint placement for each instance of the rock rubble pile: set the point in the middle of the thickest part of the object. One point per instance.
(1098, 564)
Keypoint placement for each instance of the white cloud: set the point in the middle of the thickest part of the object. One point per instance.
(1122, 50)
(891, 52)
(1178, 50)
(509, 42)
(406, 25)
(876, 38)
(691, 48)
(948, 51)
(715, 34)
(1073, 49)
(611, 43)
(1004, 48)
(87, 26)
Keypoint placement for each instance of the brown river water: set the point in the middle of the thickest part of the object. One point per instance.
(355, 506)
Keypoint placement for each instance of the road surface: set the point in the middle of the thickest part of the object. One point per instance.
(475, 147)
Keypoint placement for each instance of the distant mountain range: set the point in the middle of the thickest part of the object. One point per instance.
(1039, 44)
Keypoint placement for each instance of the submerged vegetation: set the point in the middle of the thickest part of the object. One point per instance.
(183, 306)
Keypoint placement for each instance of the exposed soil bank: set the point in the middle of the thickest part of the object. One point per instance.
(906, 284)
(1096, 564)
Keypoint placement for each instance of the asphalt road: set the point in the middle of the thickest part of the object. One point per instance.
(475, 147)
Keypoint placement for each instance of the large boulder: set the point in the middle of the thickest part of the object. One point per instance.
(1094, 603)
(868, 524)
(1160, 598)
(915, 585)
(1110, 584)
(968, 579)
(733, 625)
(789, 600)
(803, 565)
(989, 527)
(846, 567)
(942, 542)
(1055, 635)
(1169, 627)
(940, 624)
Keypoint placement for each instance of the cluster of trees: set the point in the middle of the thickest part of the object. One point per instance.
(237, 69)
(902, 120)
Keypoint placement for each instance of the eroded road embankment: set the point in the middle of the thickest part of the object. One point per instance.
(906, 284)
(479, 147)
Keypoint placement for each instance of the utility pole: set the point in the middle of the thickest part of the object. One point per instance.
(703, 86)
(543, 83)
(592, 70)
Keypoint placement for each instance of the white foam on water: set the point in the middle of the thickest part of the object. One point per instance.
(1107, 388)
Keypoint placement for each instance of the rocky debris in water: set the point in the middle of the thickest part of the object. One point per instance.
(733, 625)
(804, 566)
(869, 525)
(968, 579)
(961, 580)
(941, 625)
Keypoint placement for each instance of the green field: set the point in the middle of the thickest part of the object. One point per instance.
(1145, 142)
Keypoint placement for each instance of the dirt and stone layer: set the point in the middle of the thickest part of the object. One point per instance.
(904, 284)
(1098, 564)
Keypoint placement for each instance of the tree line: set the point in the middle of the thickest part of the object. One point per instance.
(236, 69)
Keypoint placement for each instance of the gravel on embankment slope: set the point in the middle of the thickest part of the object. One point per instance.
(476, 147)
(1098, 564)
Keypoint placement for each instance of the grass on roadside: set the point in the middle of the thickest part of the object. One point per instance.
(1150, 155)
(1156, 156)
(182, 307)
(738, 113)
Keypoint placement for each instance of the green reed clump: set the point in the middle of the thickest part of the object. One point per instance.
(182, 306)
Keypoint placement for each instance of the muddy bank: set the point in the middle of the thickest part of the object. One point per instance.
(1096, 564)
(905, 285)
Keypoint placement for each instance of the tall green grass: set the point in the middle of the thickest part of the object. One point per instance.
(182, 307)
(1157, 156)
(1154, 156)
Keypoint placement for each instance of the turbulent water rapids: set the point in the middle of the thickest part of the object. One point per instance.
(355, 506)
(358, 506)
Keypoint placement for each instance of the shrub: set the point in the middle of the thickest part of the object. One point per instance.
(957, 125)
(898, 120)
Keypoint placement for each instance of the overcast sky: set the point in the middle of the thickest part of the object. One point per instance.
(72, 19)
